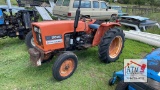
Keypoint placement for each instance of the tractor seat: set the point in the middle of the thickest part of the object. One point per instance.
(94, 26)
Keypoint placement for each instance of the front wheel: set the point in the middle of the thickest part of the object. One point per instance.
(64, 66)
(29, 40)
(111, 45)
(111, 81)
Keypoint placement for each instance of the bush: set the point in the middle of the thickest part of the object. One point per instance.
(141, 2)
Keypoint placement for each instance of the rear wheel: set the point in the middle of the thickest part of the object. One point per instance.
(111, 45)
(64, 66)
(29, 40)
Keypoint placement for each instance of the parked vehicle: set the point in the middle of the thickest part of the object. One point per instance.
(138, 23)
(153, 75)
(52, 37)
(18, 24)
(119, 8)
(66, 9)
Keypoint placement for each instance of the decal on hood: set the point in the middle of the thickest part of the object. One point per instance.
(53, 39)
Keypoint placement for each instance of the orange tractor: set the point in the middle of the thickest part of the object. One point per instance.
(52, 37)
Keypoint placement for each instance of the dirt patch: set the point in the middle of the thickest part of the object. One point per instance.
(143, 54)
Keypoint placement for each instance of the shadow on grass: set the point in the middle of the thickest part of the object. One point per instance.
(90, 52)
(8, 42)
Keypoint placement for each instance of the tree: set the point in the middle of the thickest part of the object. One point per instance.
(154, 2)
(157, 3)
(139, 2)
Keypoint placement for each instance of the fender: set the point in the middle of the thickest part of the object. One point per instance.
(101, 31)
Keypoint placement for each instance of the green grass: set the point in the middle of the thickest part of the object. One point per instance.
(17, 73)
(13, 2)
(2, 2)
(153, 30)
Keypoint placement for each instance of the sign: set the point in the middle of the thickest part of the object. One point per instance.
(135, 70)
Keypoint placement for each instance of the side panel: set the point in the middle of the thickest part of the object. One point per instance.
(101, 31)
(55, 10)
(103, 12)
(96, 10)
(86, 7)
(64, 8)
(1, 17)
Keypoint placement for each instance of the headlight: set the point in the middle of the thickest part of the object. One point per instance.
(36, 29)
(40, 39)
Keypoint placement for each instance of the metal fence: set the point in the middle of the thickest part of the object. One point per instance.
(135, 10)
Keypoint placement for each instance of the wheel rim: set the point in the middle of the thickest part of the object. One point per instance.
(67, 67)
(115, 47)
(32, 42)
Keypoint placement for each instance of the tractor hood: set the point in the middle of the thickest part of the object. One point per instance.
(54, 28)
(64, 25)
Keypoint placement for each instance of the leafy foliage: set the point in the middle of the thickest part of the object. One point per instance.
(141, 2)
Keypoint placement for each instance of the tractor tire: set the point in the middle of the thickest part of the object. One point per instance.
(21, 37)
(64, 66)
(110, 82)
(29, 40)
(111, 45)
(122, 86)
